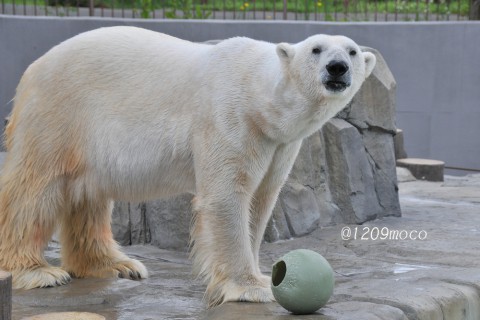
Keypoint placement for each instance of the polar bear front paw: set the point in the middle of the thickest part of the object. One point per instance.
(246, 289)
(265, 280)
(254, 294)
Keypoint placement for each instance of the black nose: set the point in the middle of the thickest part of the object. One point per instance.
(337, 68)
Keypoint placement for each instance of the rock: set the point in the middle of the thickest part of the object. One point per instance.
(399, 145)
(374, 105)
(310, 169)
(404, 175)
(350, 173)
(138, 224)
(372, 112)
(277, 228)
(300, 207)
(129, 225)
(379, 148)
(121, 223)
(169, 221)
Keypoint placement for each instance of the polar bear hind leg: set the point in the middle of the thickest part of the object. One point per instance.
(28, 212)
(34, 198)
(88, 247)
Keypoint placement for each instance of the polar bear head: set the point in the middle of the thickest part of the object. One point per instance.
(324, 66)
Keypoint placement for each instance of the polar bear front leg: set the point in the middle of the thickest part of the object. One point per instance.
(267, 194)
(221, 250)
(221, 245)
(88, 247)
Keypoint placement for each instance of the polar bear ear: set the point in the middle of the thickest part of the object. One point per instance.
(285, 52)
(370, 61)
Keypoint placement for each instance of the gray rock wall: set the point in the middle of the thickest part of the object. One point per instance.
(345, 173)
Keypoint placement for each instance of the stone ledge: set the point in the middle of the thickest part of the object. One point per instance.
(66, 316)
(423, 169)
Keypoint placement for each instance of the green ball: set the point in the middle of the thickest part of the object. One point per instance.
(302, 281)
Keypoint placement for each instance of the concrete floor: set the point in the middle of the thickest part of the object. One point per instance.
(434, 278)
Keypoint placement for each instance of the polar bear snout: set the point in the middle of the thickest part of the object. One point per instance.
(337, 78)
(337, 68)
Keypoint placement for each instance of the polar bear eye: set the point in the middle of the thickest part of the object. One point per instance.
(316, 50)
(353, 52)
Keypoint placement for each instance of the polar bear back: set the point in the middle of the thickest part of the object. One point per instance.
(142, 67)
(126, 60)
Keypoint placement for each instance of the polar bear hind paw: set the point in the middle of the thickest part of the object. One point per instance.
(125, 268)
(130, 269)
(40, 277)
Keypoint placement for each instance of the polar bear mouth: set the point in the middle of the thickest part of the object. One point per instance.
(336, 85)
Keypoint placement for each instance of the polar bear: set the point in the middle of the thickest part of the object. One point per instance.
(130, 114)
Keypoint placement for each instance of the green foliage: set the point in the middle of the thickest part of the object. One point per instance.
(188, 10)
(146, 6)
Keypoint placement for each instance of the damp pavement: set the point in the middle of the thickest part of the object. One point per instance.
(424, 265)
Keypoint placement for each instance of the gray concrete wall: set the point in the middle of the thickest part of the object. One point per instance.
(436, 65)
